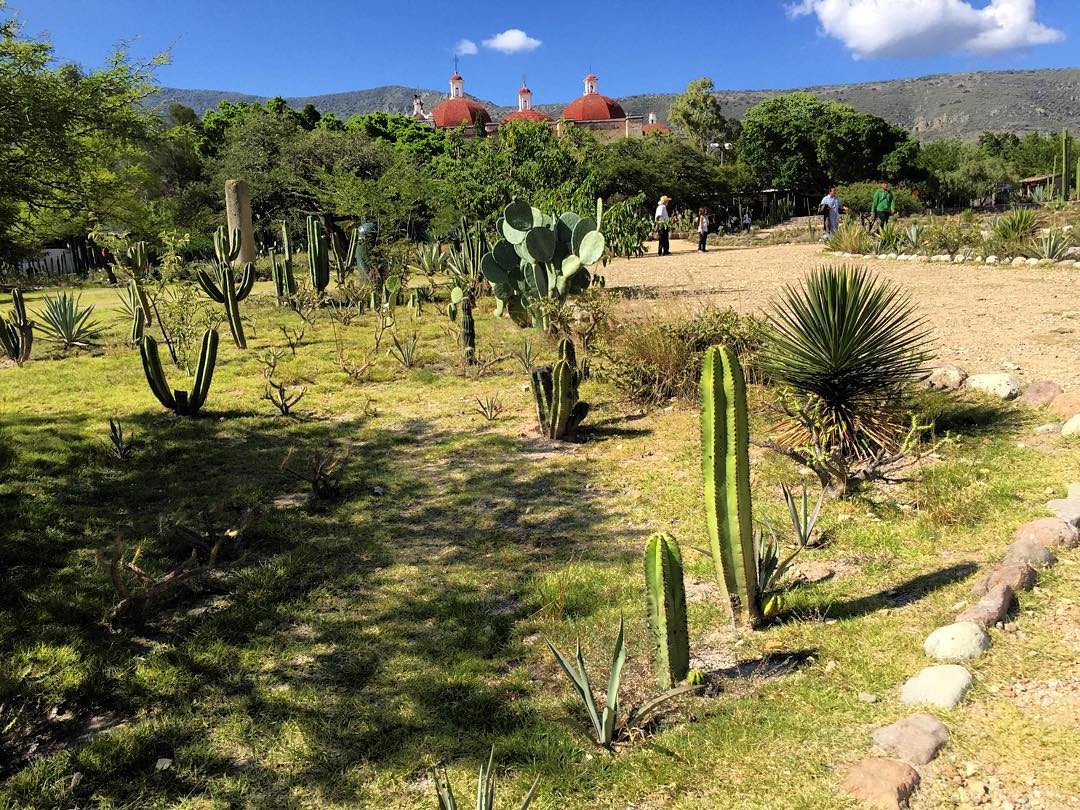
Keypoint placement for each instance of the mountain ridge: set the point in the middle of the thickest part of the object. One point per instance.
(937, 106)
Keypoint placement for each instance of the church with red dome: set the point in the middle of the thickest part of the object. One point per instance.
(593, 111)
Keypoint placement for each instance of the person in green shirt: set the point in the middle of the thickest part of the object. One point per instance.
(883, 206)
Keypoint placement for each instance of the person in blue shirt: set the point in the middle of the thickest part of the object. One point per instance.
(830, 209)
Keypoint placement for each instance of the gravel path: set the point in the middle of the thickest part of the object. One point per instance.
(987, 319)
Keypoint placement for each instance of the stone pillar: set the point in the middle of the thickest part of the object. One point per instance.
(238, 212)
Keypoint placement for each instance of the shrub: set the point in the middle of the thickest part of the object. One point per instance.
(842, 347)
(858, 196)
(951, 237)
(851, 237)
(660, 359)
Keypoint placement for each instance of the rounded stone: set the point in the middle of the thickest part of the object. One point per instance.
(947, 378)
(1066, 406)
(882, 783)
(1002, 386)
(1031, 553)
(1072, 427)
(1040, 393)
(1050, 533)
(1017, 575)
(962, 641)
(992, 608)
(943, 686)
(917, 738)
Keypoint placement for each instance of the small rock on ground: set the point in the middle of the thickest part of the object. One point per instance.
(1030, 552)
(1066, 406)
(947, 378)
(916, 739)
(962, 641)
(1047, 429)
(1068, 508)
(293, 500)
(1072, 427)
(942, 686)
(1002, 386)
(1040, 393)
(882, 783)
(1050, 533)
(992, 608)
(1018, 576)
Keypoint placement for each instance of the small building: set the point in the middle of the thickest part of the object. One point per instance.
(599, 113)
(525, 111)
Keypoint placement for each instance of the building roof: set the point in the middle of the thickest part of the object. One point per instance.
(457, 111)
(651, 128)
(594, 107)
(526, 115)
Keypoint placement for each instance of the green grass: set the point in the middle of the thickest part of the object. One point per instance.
(353, 644)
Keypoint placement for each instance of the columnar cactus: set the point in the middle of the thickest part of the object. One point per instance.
(224, 289)
(1066, 164)
(282, 270)
(180, 402)
(538, 258)
(345, 253)
(666, 600)
(318, 255)
(138, 265)
(725, 457)
(17, 332)
(559, 412)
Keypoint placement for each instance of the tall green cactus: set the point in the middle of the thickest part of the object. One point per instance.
(223, 289)
(725, 458)
(666, 601)
(180, 402)
(318, 255)
(540, 258)
(17, 332)
(345, 253)
(138, 265)
(559, 412)
(1066, 164)
(282, 270)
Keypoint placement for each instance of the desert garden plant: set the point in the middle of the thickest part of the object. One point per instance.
(66, 324)
(850, 237)
(485, 788)
(771, 564)
(322, 468)
(180, 402)
(607, 729)
(842, 348)
(1054, 246)
(666, 606)
(559, 411)
(223, 288)
(889, 239)
(16, 331)
(913, 237)
(141, 593)
(274, 391)
(120, 446)
(1016, 226)
(490, 407)
(281, 270)
(404, 351)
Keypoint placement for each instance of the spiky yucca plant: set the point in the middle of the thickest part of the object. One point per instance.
(67, 324)
(890, 239)
(485, 788)
(1054, 246)
(850, 237)
(1018, 225)
(842, 347)
(913, 237)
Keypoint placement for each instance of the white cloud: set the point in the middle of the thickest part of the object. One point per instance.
(512, 40)
(905, 28)
(465, 47)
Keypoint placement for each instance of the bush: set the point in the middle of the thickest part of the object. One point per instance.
(858, 196)
(951, 237)
(851, 237)
(660, 359)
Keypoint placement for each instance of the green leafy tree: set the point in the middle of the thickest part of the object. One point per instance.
(696, 114)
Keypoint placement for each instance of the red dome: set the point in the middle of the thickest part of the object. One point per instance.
(457, 111)
(593, 107)
(526, 115)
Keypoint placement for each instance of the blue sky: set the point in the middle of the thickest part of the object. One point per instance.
(275, 47)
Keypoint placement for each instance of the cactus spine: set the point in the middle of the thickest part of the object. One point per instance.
(725, 457)
(180, 402)
(318, 257)
(224, 289)
(17, 332)
(666, 600)
(555, 391)
(282, 270)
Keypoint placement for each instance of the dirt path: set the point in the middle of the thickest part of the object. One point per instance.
(1025, 320)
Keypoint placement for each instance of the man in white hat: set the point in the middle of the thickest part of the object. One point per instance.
(662, 218)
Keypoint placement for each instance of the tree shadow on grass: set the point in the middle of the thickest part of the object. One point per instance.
(371, 630)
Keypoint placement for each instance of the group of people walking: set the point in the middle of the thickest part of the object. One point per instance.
(882, 207)
(705, 220)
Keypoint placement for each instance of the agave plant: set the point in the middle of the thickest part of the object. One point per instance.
(485, 788)
(842, 347)
(850, 237)
(605, 724)
(913, 237)
(890, 239)
(429, 260)
(1054, 246)
(1018, 225)
(67, 324)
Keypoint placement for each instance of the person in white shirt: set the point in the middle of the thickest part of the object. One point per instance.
(747, 221)
(662, 218)
(702, 228)
(831, 208)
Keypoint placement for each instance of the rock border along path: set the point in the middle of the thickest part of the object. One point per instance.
(917, 739)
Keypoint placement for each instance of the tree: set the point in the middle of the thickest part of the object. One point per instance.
(696, 114)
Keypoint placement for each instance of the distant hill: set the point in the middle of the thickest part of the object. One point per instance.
(949, 105)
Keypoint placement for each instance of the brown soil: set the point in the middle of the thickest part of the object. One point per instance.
(1024, 320)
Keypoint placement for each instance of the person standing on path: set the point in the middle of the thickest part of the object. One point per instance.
(662, 219)
(702, 228)
(883, 206)
(830, 209)
(747, 222)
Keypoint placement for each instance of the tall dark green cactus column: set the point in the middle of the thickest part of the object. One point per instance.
(180, 402)
(725, 460)
(666, 601)
(555, 390)
(318, 255)
(282, 270)
(224, 289)
(138, 265)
